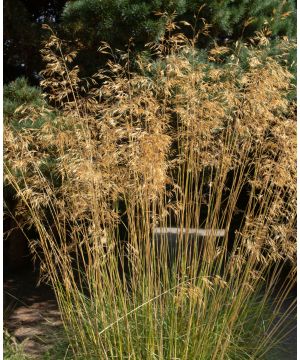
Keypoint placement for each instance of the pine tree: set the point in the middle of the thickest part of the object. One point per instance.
(117, 21)
(242, 18)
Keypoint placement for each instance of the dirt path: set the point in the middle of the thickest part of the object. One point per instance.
(30, 313)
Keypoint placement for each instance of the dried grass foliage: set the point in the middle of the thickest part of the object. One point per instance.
(163, 144)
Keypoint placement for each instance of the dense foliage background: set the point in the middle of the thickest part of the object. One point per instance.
(88, 22)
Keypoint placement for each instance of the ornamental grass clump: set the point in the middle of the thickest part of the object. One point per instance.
(173, 143)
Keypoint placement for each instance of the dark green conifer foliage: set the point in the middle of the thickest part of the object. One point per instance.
(241, 18)
(117, 21)
(19, 93)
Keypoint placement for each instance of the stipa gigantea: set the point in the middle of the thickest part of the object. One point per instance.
(186, 144)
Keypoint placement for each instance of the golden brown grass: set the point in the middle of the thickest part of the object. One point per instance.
(177, 141)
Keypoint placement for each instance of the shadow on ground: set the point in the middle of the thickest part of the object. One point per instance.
(31, 313)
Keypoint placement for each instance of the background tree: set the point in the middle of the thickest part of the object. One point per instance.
(23, 35)
(88, 22)
(116, 21)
